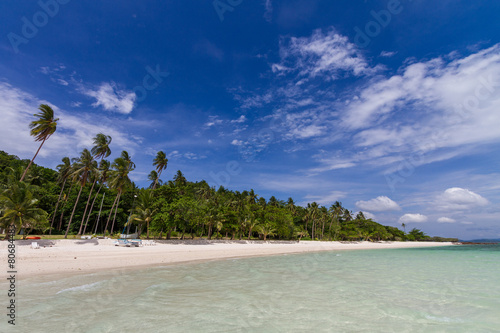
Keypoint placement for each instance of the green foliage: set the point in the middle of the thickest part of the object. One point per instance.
(177, 208)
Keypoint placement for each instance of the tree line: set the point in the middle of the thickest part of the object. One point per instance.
(91, 195)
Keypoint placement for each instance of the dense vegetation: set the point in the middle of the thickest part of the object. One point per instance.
(90, 195)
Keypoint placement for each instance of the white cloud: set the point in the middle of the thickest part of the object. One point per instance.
(111, 98)
(328, 53)
(413, 218)
(387, 54)
(379, 204)
(368, 215)
(237, 142)
(240, 120)
(213, 120)
(457, 198)
(74, 132)
(446, 220)
(269, 10)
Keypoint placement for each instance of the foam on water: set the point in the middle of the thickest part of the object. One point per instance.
(455, 289)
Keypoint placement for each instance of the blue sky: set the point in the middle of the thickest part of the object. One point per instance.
(391, 107)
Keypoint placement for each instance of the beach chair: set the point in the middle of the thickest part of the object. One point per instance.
(34, 245)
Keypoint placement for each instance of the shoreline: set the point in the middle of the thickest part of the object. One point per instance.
(61, 258)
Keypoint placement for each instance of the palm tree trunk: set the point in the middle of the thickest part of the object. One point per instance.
(73, 213)
(57, 205)
(116, 211)
(91, 208)
(31, 162)
(249, 233)
(62, 213)
(99, 216)
(110, 213)
(86, 207)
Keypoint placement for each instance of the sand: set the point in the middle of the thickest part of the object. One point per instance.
(67, 257)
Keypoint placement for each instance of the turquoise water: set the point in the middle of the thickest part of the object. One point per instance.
(451, 289)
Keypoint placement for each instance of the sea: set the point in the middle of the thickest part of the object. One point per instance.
(441, 289)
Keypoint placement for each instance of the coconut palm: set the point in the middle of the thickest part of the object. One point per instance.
(119, 180)
(20, 208)
(103, 171)
(99, 150)
(144, 210)
(179, 179)
(153, 177)
(160, 162)
(64, 173)
(84, 166)
(42, 129)
(404, 227)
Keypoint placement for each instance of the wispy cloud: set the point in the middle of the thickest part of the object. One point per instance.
(323, 53)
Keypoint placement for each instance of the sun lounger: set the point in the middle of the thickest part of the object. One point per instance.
(122, 242)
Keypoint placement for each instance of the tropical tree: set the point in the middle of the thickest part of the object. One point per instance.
(99, 150)
(64, 173)
(144, 210)
(20, 209)
(160, 162)
(42, 129)
(84, 166)
(154, 178)
(119, 180)
(103, 171)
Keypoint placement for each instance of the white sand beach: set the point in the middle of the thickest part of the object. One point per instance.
(63, 257)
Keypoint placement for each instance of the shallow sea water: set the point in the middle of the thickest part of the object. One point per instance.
(445, 289)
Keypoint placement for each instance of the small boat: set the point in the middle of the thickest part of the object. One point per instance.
(32, 237)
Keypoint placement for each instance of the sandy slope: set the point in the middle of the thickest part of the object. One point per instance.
(62, 257)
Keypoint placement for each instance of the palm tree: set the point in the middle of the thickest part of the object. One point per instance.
(179, 179)
(313, 212)
(20, 208)
(101, 146)
(99, 150)
(84, 166)
(103, 177)
(153, 177)
(160, 162)
(265, 230)
(64, 173)
(404, 227)
(42, 129)
(144, 210)
(119, 180)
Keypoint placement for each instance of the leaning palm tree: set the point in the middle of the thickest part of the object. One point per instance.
(64, 173)
(42, 129)
(160, 162)
(103, 171)
(20, 209)
(99, 150)
(119, 180)
(84, 166)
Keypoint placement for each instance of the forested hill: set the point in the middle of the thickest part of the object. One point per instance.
(107, 202)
